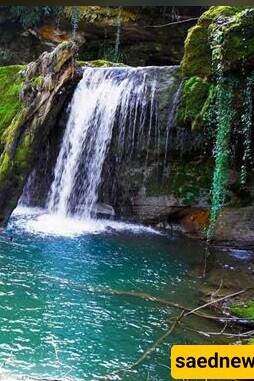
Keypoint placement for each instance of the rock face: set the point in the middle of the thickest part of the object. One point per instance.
(222, 33)
(236, 224)
(218, 54)
(45, 86)
(140, 44)
(238, 40)
(234, 227)
(153, 209)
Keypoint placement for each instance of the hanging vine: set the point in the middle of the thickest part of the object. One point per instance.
(246, 120)
(224, 116)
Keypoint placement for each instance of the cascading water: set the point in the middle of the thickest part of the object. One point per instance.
(123, 98)
(171, 117)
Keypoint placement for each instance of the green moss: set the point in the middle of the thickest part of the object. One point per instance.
(10, 84)
(36, 82)
(245, 311)
(23, 153)
(99, 63)
(5, 168)
(239, 41)
(215, 12)
(193, 99)
(197, 56)
(251, 341)
(238, 44)
(11, 133)
(188, 181)
(192, 181)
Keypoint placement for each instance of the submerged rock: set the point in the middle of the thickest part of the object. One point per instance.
(40, 93)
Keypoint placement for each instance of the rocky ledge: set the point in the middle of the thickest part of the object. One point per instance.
(33, 99)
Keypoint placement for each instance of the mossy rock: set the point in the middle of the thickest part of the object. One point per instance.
(100, 63)
(28, 110)
(237, 24)
(193, 98)
(245, 311)
(239, 41)
(188, 180)
(11, 79)
(197, 53)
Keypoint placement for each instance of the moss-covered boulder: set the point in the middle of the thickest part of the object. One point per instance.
(194, 102)
(237, 26)
(31, 99)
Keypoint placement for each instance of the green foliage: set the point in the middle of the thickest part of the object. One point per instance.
(224, 120)
(245, 310)
(246, 119)
(10, 84)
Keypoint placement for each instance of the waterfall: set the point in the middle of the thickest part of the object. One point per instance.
(126, 100)
(27, 191)
(171, 117)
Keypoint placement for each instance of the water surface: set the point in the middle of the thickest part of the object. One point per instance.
(57, 316)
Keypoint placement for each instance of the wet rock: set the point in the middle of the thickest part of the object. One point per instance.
(152, 209)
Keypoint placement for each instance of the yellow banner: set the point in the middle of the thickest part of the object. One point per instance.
(217, 362)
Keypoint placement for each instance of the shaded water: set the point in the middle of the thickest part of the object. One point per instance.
(57, 318)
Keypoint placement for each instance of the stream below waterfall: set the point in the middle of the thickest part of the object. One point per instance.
(58, 317)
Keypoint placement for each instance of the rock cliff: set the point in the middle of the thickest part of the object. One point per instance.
(35, 95)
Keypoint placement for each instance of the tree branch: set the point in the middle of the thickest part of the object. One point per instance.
(172, 23)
